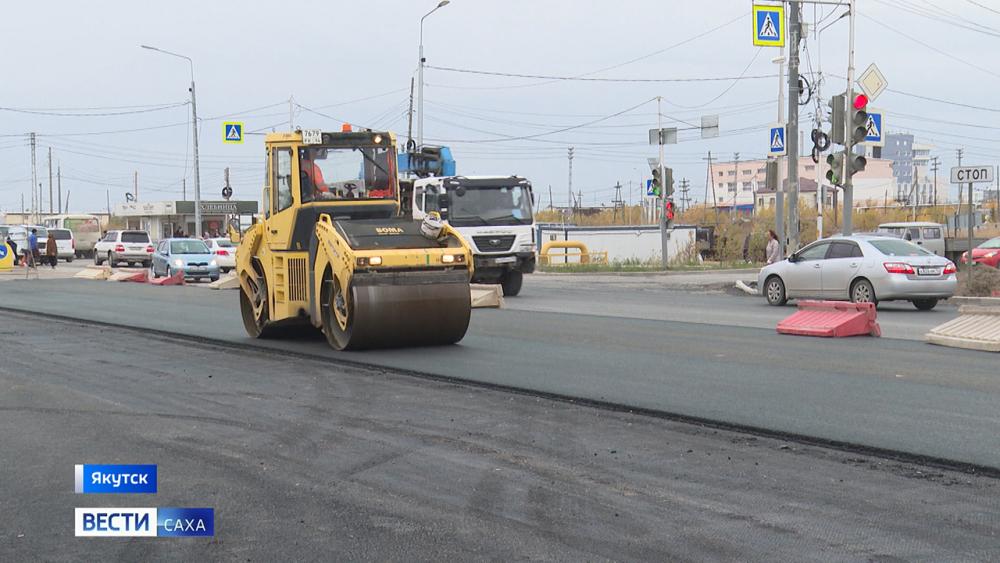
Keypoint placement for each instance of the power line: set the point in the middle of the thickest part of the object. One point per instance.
(90, 114)
(586, 79)
(987, 8)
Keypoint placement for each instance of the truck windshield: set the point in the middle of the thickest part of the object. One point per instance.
(330, 174)
(491, 205)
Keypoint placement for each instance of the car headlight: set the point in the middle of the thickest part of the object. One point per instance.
(992, 254)
(526, 247)
(213, 263)
(179, 263)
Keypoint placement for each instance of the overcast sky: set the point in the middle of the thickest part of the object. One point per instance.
(353, 61)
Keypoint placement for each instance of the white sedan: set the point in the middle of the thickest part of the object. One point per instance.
(861, 269)
(224, 251)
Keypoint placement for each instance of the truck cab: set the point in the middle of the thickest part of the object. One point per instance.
(494, 214)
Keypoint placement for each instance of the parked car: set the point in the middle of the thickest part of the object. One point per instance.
(224, 251)
(65, 244)
(189, 255)
(987, 253)
(921, 233)
(861, 269)
(132, 247)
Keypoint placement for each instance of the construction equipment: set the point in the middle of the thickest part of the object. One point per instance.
(331, 249)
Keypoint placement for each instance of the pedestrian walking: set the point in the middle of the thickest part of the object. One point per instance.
(51, 250)
(773, 250)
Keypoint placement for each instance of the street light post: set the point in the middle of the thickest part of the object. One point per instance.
(420, 79)
(194, 124)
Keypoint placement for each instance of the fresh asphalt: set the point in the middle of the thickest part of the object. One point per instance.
(889, 393)
(304, 459)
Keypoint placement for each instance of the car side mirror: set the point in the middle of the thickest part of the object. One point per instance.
(793, 257)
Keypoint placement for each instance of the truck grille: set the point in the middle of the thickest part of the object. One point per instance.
(499, 243)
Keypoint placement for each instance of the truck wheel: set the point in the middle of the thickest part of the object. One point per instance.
(338, 315)
(69, 259)
(254, 308)
(511, 283)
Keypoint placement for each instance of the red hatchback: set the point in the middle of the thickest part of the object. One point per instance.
(987, 253)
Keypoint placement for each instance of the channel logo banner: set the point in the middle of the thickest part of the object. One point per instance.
(120, 479)
(115, 522)
(144, 522)
(185, 522)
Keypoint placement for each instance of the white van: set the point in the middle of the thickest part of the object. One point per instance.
(926, 234)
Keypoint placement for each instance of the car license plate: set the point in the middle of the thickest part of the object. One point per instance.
(505, 260)
(929, 271)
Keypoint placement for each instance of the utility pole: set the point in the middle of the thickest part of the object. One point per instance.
(660, 201)
(848, 101)
(736, 181)
(409, 121)
(792, 128)
(51, 199)
(107, 194)
(569, 185)
(711, 182)
(958, 210)
(135, 186)
(935, 164)
(184, 189)
(59, 184)
(915, 197)
(291, 113)
(685, 199)
(616, 203)
(779, 194)
(34, 180)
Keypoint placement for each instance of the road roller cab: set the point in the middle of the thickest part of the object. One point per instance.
(331, 249)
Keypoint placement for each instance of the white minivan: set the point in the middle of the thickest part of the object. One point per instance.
(926, 234)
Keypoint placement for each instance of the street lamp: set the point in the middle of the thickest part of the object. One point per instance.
(420, 89)
(194, 123)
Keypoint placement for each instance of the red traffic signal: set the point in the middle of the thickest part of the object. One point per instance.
(668, 209)
(860, 101)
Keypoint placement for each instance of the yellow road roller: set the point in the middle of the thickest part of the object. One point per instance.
(332, 250)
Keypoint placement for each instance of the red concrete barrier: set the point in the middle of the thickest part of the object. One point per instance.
(138, 277)
(832, 319)
(176, 279)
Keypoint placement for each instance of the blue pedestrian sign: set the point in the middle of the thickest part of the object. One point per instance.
(768, 25)
(776, 141)
(232, 132)
(874, 128)
(650, 191)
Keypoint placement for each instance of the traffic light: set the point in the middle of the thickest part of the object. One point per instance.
(859, 130)
(657, 183)
(859, 119)
(669, 211)
(837, 104)
(668, 182)
(836, 162)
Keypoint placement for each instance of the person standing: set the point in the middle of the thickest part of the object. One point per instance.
(51, 250)
(32, 248)
(773, 250)
(13, 249)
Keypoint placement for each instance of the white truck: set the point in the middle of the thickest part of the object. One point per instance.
(494, 214)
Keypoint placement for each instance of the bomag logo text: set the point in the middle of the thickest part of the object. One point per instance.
(389, 230)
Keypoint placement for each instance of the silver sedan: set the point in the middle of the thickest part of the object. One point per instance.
(860, 269)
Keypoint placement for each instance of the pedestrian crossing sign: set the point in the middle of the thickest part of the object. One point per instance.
(777, 141)
(768, 25)
(875, 128)
(232, 132)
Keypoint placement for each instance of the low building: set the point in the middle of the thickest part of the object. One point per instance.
(743, 184)
(163, 218)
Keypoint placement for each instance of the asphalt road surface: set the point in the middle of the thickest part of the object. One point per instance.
(304, 459)
(893, 394)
